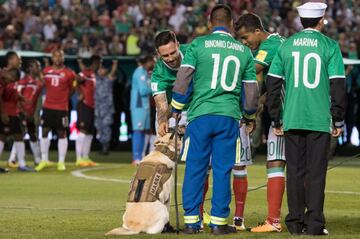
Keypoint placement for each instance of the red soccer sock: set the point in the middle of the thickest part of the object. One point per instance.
(240, 187)
(206, 187)
(275, 192)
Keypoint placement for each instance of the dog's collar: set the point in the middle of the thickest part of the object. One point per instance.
(164, 149)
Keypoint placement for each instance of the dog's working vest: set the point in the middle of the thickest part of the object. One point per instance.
(148, 182)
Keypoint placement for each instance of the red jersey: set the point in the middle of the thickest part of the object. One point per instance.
(58, 84)
(2, 87)
(87, 87)
(10, 99)
(30, 89)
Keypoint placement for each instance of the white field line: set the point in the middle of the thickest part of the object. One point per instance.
(80, 174)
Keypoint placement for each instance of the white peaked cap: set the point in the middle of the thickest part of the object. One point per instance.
(312, 10)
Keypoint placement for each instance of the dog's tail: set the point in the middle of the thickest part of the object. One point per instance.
(120, 231)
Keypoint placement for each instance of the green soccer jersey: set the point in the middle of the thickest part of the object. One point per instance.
(163, 76)
(221, 65)
(267, 50)
(307, 61)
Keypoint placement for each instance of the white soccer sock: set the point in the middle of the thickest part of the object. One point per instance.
(1, 147)
(12, 156)
(44, 148)
(20, 152)
(35, 148)
(62, 148)
(87, 145)
(146, 142)
(79, 145)
(151, 142)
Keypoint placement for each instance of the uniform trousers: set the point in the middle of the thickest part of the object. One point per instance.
(217, 136)
(307, 161)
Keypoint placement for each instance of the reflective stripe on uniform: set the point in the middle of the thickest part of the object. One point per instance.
(186, 148)
(191, 219)
(218, 220)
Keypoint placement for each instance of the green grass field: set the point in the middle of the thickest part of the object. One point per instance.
(53, 204)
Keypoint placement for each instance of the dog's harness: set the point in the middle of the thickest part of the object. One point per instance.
(147, 184)
(150, 177)
(164, 149)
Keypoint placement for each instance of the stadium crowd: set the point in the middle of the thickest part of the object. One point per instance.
(122, 27)
(127, 27)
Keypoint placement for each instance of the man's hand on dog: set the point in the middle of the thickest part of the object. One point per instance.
(163, 128)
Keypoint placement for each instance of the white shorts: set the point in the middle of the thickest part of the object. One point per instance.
(275, 146)
(245, 150)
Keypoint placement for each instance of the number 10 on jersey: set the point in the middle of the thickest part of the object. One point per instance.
(224, 72)
(305, 73)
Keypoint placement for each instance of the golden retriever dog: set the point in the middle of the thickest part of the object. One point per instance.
(147, 208)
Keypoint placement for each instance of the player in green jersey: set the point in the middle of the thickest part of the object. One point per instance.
(311, 67)
(250, 30)
(170, 54)
(222, 71)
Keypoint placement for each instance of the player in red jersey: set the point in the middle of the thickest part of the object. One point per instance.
(13, 61)
(59, 83)
(10, 116)
(85, 110)
(29, 87)
(12, 123)
(7, 76)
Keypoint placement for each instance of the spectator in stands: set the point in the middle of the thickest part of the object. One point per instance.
(132, 41)
(85, 50)
(116, 46)
(49, 29)
(70, 44)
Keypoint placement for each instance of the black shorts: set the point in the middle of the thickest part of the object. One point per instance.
(13, 127)
(55, 119)
(29, 126)
(85, 118)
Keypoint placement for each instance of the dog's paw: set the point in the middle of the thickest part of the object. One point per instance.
(168, 228)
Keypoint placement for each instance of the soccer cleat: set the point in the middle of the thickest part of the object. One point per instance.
(42, 165)
(239, 224)
(81, 162)
(12, 164)
(135, 162)
(206, 218)
(61, 167)
(26, 169)
(267, 227)
(4, 170)
(37, 161)
(90, 162)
